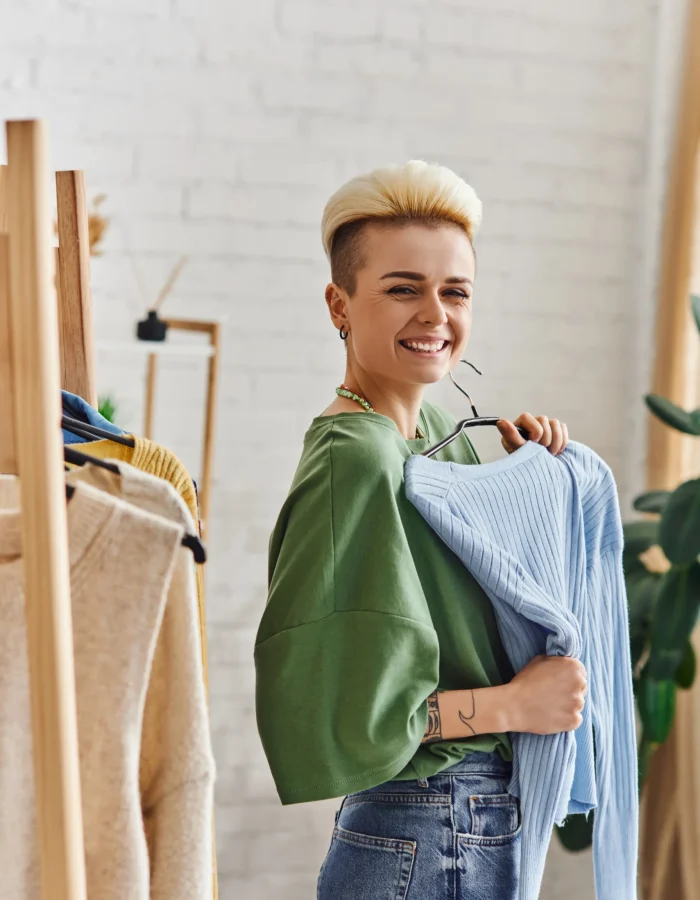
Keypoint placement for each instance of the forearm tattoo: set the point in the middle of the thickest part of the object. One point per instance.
(465, 719)
(433, 730)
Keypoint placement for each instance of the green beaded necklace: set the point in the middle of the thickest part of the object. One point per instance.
(344, 391)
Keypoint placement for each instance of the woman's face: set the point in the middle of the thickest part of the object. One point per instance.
(410, 315)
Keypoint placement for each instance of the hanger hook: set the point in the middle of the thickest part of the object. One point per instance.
(471, 402)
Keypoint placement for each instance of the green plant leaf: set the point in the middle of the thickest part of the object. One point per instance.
(646, 751)
(679, 530)
(642, 594)
(652, 501)
(673, 621)
(695, 306)
(576, 833)
(672, 415)
(107, 408)
(656, 700)
(639, 536)
(685, 673)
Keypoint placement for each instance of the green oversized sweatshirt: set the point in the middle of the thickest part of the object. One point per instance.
(367, 613)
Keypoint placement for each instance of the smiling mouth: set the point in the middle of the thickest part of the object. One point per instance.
(425, 348)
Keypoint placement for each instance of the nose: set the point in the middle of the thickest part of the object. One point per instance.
(431, 311)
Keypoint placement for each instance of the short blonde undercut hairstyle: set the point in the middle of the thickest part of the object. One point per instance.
(415, 192)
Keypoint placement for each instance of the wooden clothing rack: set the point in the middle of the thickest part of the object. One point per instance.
(46, 343)
(31, 447)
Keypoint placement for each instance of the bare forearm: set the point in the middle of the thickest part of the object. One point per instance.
(458, 714)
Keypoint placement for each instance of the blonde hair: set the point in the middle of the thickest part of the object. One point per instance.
(415, 190)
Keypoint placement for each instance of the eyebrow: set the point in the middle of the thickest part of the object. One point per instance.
(416, 276)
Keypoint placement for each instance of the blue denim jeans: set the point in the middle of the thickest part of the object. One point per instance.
(454, 836)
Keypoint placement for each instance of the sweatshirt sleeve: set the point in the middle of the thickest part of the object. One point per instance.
(346, 653)
(177, 766)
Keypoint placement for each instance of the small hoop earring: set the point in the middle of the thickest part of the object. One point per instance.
(344, 337)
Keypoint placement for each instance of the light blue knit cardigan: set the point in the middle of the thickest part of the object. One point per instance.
(542, 534)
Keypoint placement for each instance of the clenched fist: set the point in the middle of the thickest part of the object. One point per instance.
(547, 696)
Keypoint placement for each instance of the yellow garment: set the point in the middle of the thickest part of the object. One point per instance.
(161, 462)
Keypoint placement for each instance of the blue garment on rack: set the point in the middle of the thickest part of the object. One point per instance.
(543, 536)
(77, 408)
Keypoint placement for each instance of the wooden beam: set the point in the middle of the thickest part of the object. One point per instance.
(213, 329)
(675, 364)
(150, 396)
(3, 199)
(191, 325)
(75, 306)
(44, 530)
(8, 454)
(208, 460)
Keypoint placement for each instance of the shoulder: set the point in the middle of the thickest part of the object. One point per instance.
(344, 460)
(354, 444)
(587, 466)
(136, 534)
(598, 496)
(153, 495)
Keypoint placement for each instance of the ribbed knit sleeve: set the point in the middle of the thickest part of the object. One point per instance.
(615, 831)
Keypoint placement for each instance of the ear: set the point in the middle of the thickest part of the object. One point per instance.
(337, 300)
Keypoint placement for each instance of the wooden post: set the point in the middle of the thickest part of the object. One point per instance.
(8, 456)
(75, 307)
(208, 457)
(3, 199)
(150, 395)
(44, 531)
(213, 329)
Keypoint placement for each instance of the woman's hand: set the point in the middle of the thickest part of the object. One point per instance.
(547, 695)
(551, 433)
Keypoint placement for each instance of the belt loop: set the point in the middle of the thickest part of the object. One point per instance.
(340, 809)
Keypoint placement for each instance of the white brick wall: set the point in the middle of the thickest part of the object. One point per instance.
(219, 129)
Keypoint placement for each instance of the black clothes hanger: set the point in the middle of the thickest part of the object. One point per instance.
(83, 429)
(474, 421)
(76, 458)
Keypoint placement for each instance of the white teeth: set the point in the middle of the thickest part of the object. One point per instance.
(426, 347)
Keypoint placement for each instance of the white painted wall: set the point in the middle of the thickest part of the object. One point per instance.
(219, 129)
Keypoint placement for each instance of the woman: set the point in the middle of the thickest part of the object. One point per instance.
(380, 672)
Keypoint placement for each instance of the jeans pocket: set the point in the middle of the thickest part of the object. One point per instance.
(362, 867)
(495, 817)
(488, 858)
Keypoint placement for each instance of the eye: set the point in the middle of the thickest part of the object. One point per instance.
(455, 292)
(402, 290)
